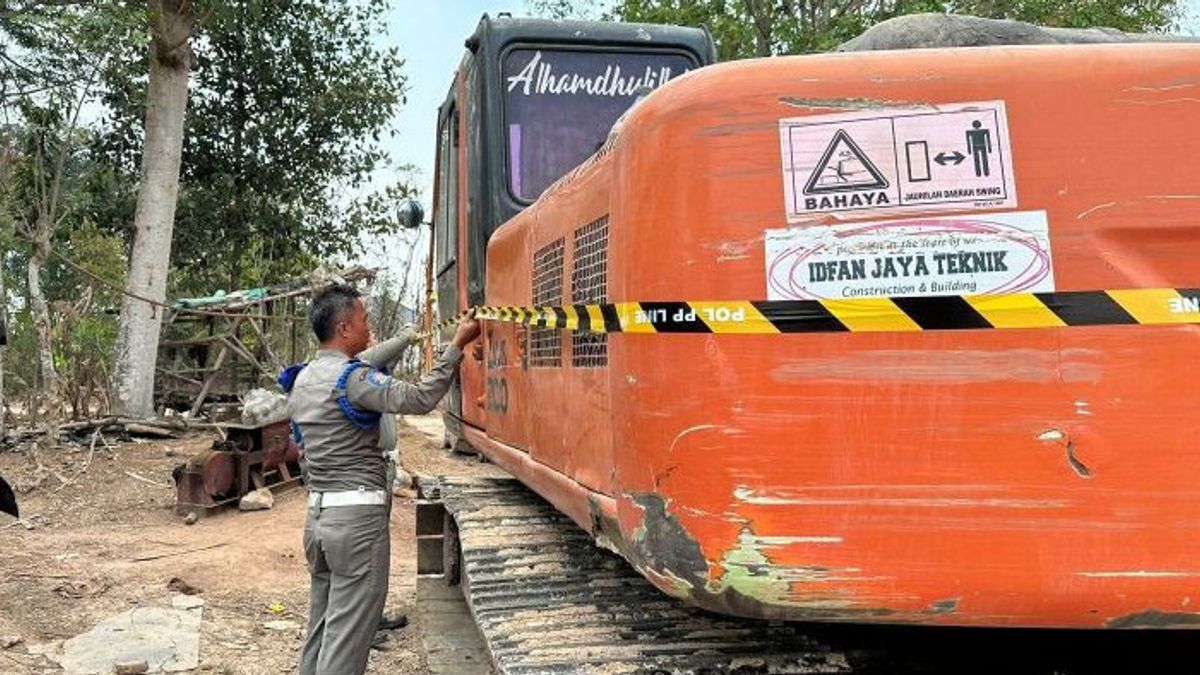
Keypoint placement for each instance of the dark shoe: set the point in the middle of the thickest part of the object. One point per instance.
(381, 641)
(392, 621)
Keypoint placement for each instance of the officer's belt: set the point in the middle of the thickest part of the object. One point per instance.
(324, 500)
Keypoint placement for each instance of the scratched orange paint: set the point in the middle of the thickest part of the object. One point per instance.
(886, 476)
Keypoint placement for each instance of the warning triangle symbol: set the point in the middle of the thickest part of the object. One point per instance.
(844, 167)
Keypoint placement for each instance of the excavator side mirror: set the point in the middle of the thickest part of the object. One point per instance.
(410, 214)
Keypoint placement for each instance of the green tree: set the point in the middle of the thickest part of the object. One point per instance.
(1141, 16)
(51, 53)
(287, 103)
(747, 28)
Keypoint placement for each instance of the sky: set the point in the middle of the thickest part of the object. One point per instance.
(430, 35)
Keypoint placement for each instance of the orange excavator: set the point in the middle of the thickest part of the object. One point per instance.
(869, 337)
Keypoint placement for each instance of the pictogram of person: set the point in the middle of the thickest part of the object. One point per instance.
(979, 145)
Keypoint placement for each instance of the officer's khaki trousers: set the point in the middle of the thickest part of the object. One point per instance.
(348, 550)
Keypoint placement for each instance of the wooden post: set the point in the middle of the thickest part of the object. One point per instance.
(239, 349)
(212, 375)
(265, 344)
(292, 358)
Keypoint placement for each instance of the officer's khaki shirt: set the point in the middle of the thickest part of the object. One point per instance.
(385, 356)
(339, 455)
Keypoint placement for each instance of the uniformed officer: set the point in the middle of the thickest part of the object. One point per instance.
(335, 403)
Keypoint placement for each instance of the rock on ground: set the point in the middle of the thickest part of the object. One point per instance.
(168, 640)
(257, 500)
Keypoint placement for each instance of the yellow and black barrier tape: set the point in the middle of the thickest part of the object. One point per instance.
(1141, 306)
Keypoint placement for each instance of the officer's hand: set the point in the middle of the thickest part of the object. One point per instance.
(409, 336)
(468, 330)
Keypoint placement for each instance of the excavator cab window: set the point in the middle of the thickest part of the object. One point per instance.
(560, 104)
(530, 100)
(446, 219)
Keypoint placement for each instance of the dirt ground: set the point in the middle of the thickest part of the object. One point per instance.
(109, 541)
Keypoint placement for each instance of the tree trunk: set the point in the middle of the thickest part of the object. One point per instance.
(761, 15)
(166, 103)
(41, 322)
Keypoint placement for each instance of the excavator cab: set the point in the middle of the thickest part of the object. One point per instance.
(530, 101)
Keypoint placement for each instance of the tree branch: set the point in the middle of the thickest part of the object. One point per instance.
(762, 26)
(167, 33)
(17, 64)
(40, 168)
(6, 96)
(847, 7)
(65, 146)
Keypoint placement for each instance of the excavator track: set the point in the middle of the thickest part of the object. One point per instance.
(548, 600)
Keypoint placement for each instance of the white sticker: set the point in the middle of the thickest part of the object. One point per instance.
(986, 254)
(891, 160)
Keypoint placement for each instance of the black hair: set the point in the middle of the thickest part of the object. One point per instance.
(329, 307)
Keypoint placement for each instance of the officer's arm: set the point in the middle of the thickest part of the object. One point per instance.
(370, 389)
(385, 354)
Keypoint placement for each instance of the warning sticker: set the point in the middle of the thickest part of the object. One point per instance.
(989, 254)
(894, 160)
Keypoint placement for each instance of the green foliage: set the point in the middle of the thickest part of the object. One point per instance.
(286, 106)
(51, 46)
(83, 342)
(747, 28)
(287, 102)
(562, 9)
(101, 253)
(84, 327)
(85, 330)
(51, 54)
(20, 358)
(1144, 16)
(47, 148)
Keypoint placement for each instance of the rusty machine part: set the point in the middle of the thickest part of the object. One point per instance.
(247, 458)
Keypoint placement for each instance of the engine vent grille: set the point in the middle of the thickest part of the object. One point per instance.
(589, 285)
(545, 344)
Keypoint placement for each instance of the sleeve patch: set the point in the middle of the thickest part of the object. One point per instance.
(378, 379)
